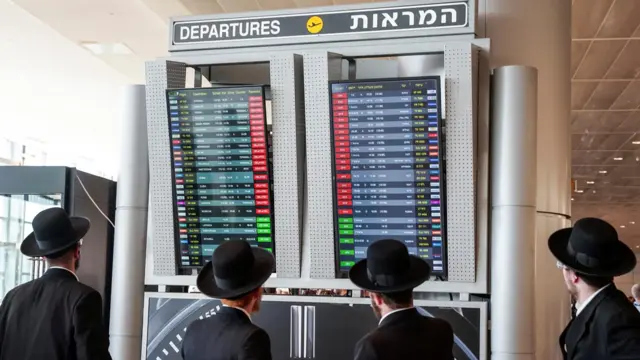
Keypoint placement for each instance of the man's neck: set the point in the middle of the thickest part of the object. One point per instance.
(65, 268)
(585, 293)
(388, 311)
(62, 266)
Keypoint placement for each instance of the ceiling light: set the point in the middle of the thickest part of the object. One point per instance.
(107, 49)
(637, 246)
(617, 158)
(590, 182)
(593, 191)
(579, 191)
(602, 171)
(622, 226)
(571, 199)
(635, 142)
(632, 222)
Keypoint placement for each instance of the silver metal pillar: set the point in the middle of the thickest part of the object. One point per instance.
(129, 251)
(513, 211)
(538, 34)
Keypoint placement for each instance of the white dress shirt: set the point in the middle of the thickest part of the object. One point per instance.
(65, 269)
(580, 307)
(392, 312)
(237, 308)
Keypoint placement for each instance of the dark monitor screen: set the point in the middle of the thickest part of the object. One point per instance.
(221, 172)
(388, 168)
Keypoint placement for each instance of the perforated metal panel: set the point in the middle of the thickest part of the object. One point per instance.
(288, 158)
(160, 76)
(319, 68)
(460, 160)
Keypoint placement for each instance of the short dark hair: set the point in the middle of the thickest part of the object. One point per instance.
(243, 299)
(399, 299)
(595, 281)
(63, 252)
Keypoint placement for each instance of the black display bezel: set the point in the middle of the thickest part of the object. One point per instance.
(174, 205)
(341, 274)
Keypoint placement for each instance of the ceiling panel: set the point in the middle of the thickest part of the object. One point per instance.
(622, 20)
(625, 171)
(232, 6)
(633, 143)
(598, 59)
(598, 141)
(344, 2)
(598, 121)
(587, 157)
(626, 65)
(581, 93)
(624, 158)
(313, 3)
(578, 49)
(587, 16)
(630, 97)
(605, 94)
(276, 4)
(631, 124)
(203, 6)
(589, 172)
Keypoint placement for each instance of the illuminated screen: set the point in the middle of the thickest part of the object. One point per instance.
(388, 168)
(221, 170)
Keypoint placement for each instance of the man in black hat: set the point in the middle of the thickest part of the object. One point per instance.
(606, 325)
(390, 274)
(235, 275)
(54, 317)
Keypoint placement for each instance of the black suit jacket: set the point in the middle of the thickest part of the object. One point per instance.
(227, 335)
(54, 317)
(407, 335)
(607, 328)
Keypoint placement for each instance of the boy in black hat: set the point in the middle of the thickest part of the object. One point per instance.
(390, 274)
(54, 317)
(235, 275)
(606, 325)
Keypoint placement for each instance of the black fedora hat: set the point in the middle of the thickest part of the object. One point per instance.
(235, 269)
(591, 247)
(389, 268)
(53, 230)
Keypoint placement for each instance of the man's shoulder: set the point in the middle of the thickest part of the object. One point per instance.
(617, 307)
(440, 325)
(223, 322)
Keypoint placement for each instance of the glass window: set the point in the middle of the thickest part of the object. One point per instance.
(16, 215)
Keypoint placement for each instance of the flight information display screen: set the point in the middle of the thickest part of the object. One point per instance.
(388, 168)
(221, 170)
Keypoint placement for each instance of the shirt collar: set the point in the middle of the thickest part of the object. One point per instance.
(65, 269)
(580, 307)
(238, 308)
(393, 312)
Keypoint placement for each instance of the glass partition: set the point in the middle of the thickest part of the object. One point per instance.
(16, 215)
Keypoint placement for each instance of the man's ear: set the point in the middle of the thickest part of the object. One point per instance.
(574, 277)
(377, 299)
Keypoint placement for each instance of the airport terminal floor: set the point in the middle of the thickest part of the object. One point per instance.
(313, 133)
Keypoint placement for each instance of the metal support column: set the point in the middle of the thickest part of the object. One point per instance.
(538, 34)
(513, 174)
(129, 250)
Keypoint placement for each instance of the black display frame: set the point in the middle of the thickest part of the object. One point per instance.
(174, 205)
(342, 274)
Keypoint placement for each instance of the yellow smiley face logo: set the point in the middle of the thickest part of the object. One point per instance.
(314, 24)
